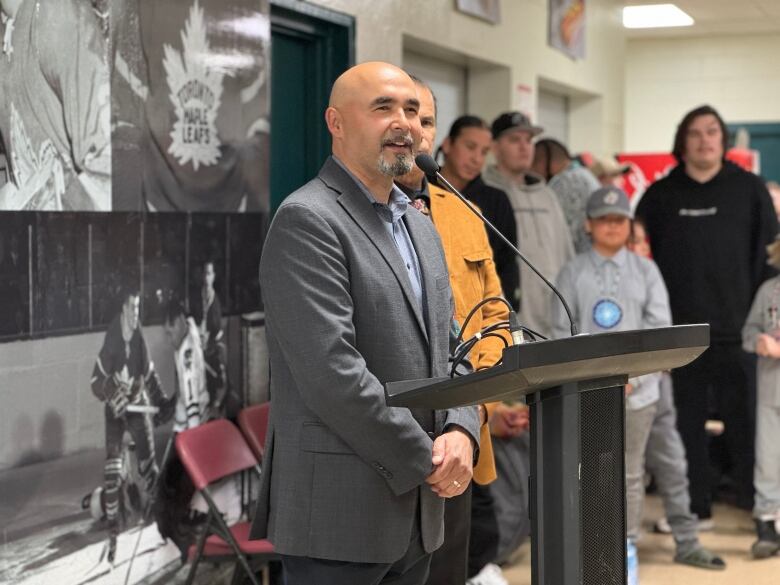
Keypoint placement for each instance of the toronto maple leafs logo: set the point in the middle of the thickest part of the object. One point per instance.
(196, 91)
(123, 379)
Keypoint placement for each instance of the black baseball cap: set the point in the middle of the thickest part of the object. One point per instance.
(514, 121)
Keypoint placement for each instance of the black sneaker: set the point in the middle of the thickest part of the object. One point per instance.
(768, 543)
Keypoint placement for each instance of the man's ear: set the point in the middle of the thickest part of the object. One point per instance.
(446, 145)
(588, 227)
(334, 122)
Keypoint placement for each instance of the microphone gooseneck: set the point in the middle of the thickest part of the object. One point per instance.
(431, 168)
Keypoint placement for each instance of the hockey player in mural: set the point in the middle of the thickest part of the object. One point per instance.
(172, 508)
(194, 404)
(124, 379)
(165, 497)
(207, 312)
(55, 105)
(178, 511)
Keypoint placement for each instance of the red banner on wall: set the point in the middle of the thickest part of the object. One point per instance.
(647, 168)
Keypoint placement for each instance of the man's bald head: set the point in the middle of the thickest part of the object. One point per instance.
(373, 120)
(360, 77)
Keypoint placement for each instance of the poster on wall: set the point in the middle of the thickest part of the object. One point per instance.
(137, 335)
(566, 27)
(134, 105)
(121, 326)
(55, 106)
(190, 94)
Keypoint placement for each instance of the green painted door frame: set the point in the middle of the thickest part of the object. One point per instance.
(310, 47)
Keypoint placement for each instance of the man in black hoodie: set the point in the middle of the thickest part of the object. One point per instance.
(709, 222)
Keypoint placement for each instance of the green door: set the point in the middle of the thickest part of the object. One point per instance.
(765, 138)
(310, 48)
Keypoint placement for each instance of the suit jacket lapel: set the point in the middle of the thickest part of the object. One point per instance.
(362, 212)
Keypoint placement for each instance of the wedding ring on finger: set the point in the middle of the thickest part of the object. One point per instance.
(456, 483)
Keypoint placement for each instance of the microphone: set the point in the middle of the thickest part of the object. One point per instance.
(431, 169)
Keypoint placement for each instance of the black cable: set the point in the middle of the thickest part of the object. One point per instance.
(464, 350)
(458, 359)
(489, 334)
(489, 328)
(477, 336)
(469, 344)
(529, 335)
(535, 334)
(475, 309)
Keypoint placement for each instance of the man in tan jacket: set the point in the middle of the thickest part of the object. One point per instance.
(473, 278)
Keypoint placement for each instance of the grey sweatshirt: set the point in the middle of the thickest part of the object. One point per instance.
(542, 236)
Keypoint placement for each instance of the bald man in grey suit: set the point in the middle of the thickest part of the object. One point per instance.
(357, 294)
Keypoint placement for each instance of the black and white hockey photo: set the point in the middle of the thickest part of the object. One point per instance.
(133, 203)
(134, 334)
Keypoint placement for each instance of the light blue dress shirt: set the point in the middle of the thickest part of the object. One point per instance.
(392, 218)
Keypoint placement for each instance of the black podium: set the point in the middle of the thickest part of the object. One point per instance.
(574, 387)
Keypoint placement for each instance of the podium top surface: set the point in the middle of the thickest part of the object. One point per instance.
(532, 367)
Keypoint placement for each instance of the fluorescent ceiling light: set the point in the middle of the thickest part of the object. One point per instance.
(655, 16)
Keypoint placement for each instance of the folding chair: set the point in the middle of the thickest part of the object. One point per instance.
(253, 422)
(210, 452)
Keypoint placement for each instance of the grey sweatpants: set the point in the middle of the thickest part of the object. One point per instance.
(766, 476)
(510, 493)
(638, 423)
(666, 462)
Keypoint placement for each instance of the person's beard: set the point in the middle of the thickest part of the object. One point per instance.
(403, 162)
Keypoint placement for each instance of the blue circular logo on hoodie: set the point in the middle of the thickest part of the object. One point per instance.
(607, 313)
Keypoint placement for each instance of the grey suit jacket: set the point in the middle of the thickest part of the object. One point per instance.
(343, 472)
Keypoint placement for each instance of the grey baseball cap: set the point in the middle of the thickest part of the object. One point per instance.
(608, 201)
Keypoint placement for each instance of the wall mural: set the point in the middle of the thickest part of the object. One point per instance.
(134, 143)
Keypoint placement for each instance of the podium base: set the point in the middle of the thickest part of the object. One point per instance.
(577, 493)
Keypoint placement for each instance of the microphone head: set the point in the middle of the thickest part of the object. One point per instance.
(427, 164)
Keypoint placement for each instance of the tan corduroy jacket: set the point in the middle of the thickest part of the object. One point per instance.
(473, 278)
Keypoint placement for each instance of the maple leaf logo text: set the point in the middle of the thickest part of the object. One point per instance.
(196, 93)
